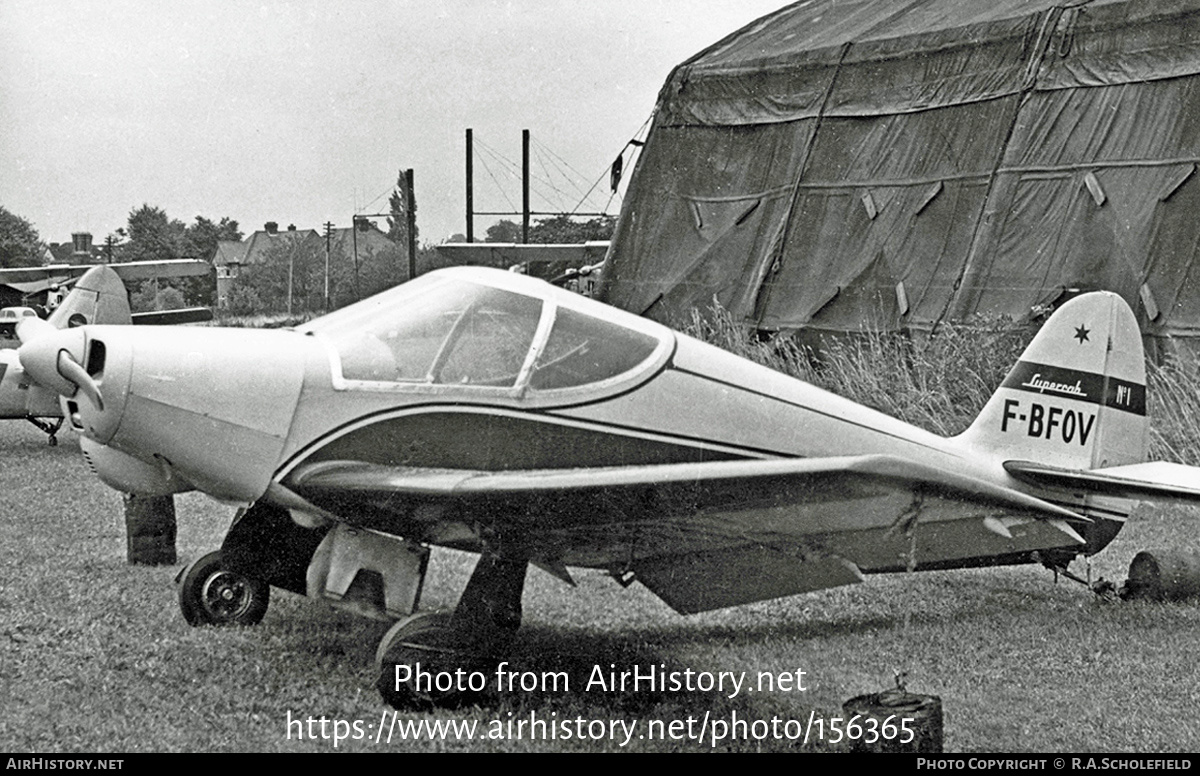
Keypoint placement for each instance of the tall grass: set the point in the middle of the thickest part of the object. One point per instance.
(940, 382)
(1174, 398)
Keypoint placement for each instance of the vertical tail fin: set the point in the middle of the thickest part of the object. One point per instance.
(99, 296)
(1077, 397)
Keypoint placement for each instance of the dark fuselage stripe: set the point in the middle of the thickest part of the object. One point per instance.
(1105, 390)
(468, 431)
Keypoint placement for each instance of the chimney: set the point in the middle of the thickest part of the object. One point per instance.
(291, 227)
(271, 226)
(82, 242)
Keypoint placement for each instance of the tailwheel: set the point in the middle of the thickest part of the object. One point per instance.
(212, 594)
(424, 661)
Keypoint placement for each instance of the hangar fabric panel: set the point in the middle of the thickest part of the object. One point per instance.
(850, 163)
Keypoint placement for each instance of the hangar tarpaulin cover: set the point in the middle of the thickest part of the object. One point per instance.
(893, 164)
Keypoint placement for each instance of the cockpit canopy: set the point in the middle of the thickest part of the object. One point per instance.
(514, 334)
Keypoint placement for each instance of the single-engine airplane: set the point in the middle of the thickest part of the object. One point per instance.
(99, 296)
(492, 412)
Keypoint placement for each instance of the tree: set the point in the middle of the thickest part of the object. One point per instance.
(150, 297)
(503, 231)
(399, 208)
(291, 276)
(202, 237)
(403, 213)
(555, 229)
(151, 236)
(564, 229)
(380, 269)
(243, 299)
(20, 245)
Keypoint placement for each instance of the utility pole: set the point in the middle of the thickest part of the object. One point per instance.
(410, 215)
(354, 241)
(328, 238)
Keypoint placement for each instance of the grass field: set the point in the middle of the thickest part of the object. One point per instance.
(95, 656)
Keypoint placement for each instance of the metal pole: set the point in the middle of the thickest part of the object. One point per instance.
(470, 189)
(410, 215)
(354, 231)
(524, 185)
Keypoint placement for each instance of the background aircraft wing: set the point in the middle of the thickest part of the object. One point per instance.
(128, 271)
(700, 535)
(176, 317)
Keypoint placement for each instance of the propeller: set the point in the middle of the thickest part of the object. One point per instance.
(29, 329)
(72, 370)
(52, 358)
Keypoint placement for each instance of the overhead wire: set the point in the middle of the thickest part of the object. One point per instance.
(555, 157)
(544, 184)
(538, 185)
(492, 175)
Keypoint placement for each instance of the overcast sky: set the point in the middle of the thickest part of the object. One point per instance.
(304, 112)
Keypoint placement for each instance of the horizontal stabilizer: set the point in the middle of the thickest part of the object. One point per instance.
(1156, 479)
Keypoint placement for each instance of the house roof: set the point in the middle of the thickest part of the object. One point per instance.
(230, 252)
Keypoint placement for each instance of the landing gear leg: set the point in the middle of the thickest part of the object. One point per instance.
(50, 429)
(428, 659)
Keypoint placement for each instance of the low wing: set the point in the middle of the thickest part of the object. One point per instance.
(700, 535)
(1152, 480)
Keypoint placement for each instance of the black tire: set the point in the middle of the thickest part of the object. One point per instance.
(427, 639)
(211, 594)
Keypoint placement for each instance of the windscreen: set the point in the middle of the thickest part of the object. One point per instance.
(583, 349)
(436, 331)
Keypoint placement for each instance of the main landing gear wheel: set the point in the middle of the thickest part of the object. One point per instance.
(211, 594)
(425, 662)
(439, 659)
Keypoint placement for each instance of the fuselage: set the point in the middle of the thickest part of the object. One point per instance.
(508, 374)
